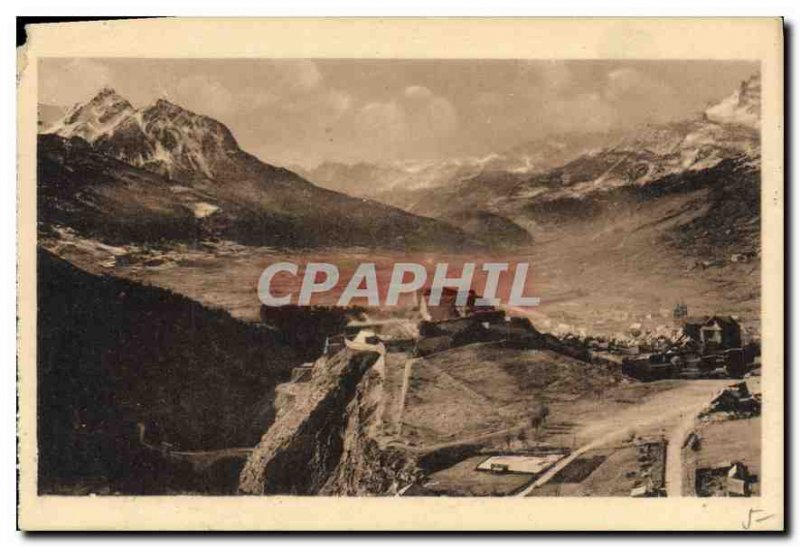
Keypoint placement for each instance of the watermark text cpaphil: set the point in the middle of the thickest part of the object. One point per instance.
(373, 284)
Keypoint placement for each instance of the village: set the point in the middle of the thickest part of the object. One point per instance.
(462, 392)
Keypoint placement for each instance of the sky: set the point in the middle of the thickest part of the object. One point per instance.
(303, 112)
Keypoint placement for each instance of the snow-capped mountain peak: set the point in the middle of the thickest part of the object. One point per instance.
(95, 118)
(742, 107)
(163, 137)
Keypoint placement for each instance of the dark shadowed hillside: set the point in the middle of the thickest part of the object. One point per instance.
(106, 198)
(122, 364)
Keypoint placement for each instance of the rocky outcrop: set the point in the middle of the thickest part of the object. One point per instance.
(742, 107)
(367, 466)
(325, 442)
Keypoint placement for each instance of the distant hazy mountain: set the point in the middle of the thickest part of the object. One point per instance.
(385, 180)
(130, 173)
(392, 182)
(357, 179)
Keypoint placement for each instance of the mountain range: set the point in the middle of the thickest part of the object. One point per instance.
(164, 172)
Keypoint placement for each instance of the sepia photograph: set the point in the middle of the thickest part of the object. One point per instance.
(406, 277)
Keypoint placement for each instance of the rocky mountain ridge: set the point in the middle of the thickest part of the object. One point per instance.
(134, 171)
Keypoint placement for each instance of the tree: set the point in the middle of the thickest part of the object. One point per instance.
(539, 417)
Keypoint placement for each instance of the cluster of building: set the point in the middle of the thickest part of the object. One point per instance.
(707, 347)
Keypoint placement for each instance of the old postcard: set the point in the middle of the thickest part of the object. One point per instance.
(411, 274)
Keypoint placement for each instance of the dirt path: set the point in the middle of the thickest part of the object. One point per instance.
(403, 393)
(664, 410)
(673, 475)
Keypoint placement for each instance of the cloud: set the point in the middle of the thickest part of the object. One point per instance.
(414, 122)
(585, 111)
(438, 117)
(382, 122)
(637, 96)
(417, 92)
(277, 109)
(627, 83)
(293, 74)
(600, 101)
(553, 76)
(204, 94)
(293, 87)
(294, 110)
